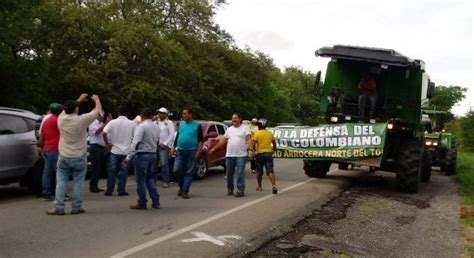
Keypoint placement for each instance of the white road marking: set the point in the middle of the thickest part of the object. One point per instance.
(219, 240)
(202, 222)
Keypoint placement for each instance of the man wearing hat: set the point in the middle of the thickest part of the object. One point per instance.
(49, 141)
(167, 132)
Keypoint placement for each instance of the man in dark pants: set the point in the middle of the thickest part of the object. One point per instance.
(97, 152)
(143, 154)
(188, 146)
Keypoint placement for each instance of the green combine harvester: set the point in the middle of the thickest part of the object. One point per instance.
(439, 143)
(373, 85)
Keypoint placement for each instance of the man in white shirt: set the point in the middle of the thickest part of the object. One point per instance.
(97, 151)
(237, 138)
(167, 132)
(118, 136)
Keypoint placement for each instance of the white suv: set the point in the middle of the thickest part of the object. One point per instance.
(19, 158)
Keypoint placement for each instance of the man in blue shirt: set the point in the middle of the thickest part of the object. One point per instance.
(188, 146)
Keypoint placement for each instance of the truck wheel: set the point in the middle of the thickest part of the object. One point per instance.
(343, 166)
(451, 157)
(202, 169)
(425, 166)
(409, 166)
(316, 168)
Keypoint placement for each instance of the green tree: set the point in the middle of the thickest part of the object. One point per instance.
(445, 97)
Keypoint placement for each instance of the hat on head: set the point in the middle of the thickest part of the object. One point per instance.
(55, 106)
(163, 110)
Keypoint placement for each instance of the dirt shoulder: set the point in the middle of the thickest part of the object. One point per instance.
(373, 219)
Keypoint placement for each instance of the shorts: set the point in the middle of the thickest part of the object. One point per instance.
(264, 160)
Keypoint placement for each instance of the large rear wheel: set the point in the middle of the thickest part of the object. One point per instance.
(316, 168)
(409, 166)
(426, 166)
(451, 157)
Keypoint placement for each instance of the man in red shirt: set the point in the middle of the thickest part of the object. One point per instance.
(369, 92)
(49, 141)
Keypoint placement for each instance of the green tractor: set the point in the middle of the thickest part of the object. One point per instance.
(369, 85)
(439, 143)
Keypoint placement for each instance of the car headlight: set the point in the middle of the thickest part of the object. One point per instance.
(435, 143)
(428, 143)
(390, 126)
(334, 119)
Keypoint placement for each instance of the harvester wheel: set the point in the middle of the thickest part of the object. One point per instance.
(425, 166)
(451, 157)
(409, 166)
(316, 168)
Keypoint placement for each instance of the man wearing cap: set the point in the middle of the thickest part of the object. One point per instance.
(72, 159)
(167, 131)
(49, 141)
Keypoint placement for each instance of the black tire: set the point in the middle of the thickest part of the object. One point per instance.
(343, 166)
(34, 178)
(409, 166)
(426, 164)
(451, 157)
(316, 168)
(201, 168)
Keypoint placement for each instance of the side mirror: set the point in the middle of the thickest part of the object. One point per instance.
(431, 90)
(212, 135)
(317, 79)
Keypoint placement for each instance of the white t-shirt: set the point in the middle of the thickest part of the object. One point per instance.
(167, 131)
(120, 134)
(237, 141)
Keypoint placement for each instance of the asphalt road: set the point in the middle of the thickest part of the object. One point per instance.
(208, 224)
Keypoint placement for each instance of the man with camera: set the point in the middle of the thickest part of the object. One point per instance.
(72, 152)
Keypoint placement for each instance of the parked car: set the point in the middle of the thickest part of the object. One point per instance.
(212, 133)
(19, 158)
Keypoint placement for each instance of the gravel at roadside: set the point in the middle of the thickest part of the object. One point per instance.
(373, 219)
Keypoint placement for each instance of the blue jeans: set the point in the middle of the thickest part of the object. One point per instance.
(116, 168)
(185, 168)
(145, 176)
(76, 167)
(163, 154)
(232, 164)
(49, 171)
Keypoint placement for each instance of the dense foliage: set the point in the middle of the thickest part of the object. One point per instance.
(152, 53)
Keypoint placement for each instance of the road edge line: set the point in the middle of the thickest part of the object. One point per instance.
(202, 222)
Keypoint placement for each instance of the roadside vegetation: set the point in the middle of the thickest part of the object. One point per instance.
(461, 127)
(465, 178)
(143, 53)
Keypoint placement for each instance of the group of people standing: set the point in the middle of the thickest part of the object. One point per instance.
(141, 143)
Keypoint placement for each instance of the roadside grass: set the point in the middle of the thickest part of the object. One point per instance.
(465, 178)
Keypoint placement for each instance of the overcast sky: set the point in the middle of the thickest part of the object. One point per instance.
(289, 31)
